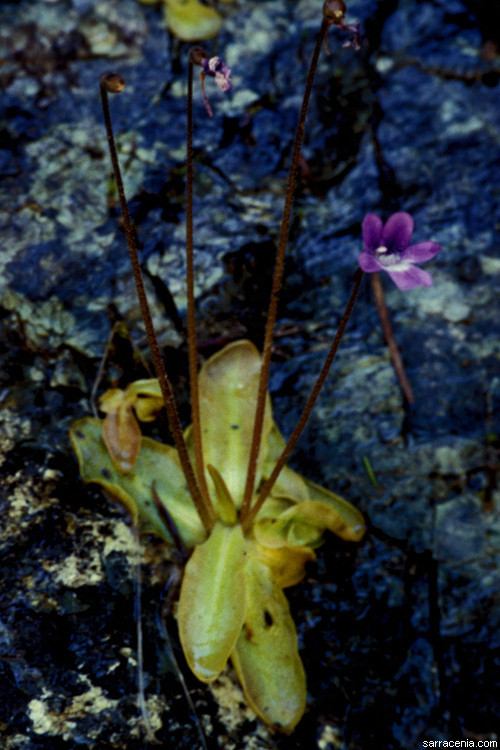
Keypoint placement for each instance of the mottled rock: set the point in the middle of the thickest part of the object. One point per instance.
(399, 637)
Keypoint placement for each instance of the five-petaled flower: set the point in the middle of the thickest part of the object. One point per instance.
(387, 248)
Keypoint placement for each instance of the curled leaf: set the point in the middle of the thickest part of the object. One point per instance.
(121, 431)
(289, 484)
(346, 521)
(226, 510)
(286, 563)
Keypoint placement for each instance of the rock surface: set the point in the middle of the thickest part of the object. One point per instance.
(399, 636)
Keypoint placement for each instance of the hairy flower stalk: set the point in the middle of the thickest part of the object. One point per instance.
(113, 83)
(333, 12)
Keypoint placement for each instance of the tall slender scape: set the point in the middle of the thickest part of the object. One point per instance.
(113, 83)
(385, 322)
(277, 277)
(311, 401)
(332, 13)
(191, 320)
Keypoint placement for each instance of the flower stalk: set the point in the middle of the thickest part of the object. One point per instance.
(277, 277)
(313, 397)
(114, 83)
(191, 317)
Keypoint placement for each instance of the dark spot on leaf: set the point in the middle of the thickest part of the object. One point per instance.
(105, 473)
(235, 427)
(268, 620)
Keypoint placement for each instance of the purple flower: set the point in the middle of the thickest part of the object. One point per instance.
(217, 69)
(354, 29)
(387, 248)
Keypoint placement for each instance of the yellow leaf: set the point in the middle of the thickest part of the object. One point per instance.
(289, 484)
(286, 563)
(190, 20)
(212, 601)
(148, 399)
(156, 464)
(228, 384)
(266, 656)
(348, 522)
(303, 524)
(225, 508)
(121, 431)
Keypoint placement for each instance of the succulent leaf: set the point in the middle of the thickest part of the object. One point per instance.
(344, 519)
(190, 20)
(228, 384)
(266, 656)
(212, 601)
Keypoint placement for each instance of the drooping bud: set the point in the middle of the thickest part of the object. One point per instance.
(334, 13)
(214, 67)
(334, 10)
(113, 83)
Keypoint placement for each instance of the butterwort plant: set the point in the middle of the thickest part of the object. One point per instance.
(223, 494)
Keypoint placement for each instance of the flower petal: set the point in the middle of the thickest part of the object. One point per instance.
(266, 656)
(421, 252)
(369, 263)
(372, 232)
(228, 385)
(410, 278)
(212, 602)
(397, 232)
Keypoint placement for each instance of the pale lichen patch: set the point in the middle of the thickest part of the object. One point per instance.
(54, 723)
(27, 499)
(74, 571)
(330, 738)
(128, 654)
(120, 539)
(12, 425)
(20, 501)
(155, 706)
(233, 710)
(16, 741)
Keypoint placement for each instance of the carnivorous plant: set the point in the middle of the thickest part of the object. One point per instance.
(224, 491)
